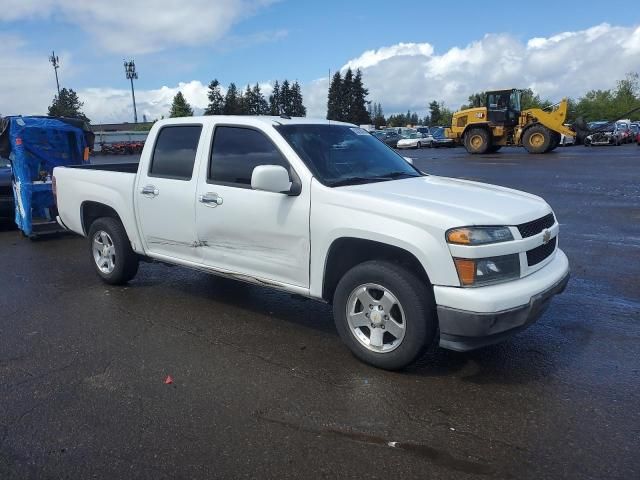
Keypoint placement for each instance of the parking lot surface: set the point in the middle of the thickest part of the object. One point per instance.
(263, 388)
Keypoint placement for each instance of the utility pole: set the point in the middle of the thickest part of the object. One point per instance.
(130, 72)
(56, 64)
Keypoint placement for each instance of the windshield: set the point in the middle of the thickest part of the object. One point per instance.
(342, 155)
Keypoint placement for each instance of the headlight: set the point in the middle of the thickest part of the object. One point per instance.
(483, 271)
(478, 235)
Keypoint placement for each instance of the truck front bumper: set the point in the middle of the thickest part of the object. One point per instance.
(465, 329)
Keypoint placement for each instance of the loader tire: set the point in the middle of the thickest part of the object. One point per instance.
(555, 141)
(537, 139)
(477, 141)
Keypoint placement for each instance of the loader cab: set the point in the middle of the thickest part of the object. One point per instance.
(503, 107)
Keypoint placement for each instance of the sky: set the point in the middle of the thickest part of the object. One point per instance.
(410, 53)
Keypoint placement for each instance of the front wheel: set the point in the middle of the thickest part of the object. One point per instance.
(419, 145)
(537, 139)
(477, 140)
(114, 260)
(384, 314)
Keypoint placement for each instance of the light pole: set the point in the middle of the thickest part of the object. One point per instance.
(56, 64)
(130, 71)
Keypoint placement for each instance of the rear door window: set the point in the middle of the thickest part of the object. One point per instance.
(237, 151)
(175, 152)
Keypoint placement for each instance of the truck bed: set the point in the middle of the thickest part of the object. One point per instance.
(111, 185)
(131, 167)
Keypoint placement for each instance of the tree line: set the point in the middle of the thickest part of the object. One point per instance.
(285, 99)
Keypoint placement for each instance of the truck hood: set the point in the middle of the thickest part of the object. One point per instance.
(455, 202)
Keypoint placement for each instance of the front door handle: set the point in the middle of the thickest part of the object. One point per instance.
(150, 191)
(210, 199)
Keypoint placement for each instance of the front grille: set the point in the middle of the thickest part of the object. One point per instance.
(534, 227)
(538, 254)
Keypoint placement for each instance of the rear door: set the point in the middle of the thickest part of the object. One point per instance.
(166, 191)
(245, 231)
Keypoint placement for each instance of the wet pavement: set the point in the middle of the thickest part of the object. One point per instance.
(263, 388)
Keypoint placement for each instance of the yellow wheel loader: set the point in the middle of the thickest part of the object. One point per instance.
(501, 122)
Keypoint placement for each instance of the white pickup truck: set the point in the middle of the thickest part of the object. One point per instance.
(325, 210)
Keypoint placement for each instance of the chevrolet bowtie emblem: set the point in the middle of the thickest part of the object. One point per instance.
(546, 237)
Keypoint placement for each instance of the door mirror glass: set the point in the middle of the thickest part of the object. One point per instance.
(270, 178)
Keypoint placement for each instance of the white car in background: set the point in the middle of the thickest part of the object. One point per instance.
(415, 140)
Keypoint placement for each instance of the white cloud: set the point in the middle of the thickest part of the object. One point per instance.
(408, 76)
(142, 26)
(401, 77)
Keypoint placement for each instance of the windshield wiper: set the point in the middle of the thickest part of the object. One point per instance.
(396, 175)
(355, 181)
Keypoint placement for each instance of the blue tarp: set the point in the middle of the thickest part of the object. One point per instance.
(38, 145)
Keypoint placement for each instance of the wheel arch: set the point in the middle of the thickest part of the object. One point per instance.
(90, 211)
(483, 125)
(346, 252)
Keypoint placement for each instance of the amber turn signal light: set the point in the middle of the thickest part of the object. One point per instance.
(466, 270)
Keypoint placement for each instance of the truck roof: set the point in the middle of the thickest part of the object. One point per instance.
(256, 120)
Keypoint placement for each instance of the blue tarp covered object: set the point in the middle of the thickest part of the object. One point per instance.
(36, 146)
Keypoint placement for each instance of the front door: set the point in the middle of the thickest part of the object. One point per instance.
(166, 193)
(259, 234)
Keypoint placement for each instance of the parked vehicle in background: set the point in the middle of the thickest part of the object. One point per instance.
(424, 130)
(566, 140)
(322, 209)
(635, 132)
(390, 138)
(415, 140)
(6, 190)
(439, 139)
(607, 133)
(624, 129)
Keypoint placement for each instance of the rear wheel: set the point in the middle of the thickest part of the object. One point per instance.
(537, 139)
(385, 314)
(114, 260)
(477, 140)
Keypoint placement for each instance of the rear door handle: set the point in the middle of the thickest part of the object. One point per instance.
(150, 191)
(210, 199)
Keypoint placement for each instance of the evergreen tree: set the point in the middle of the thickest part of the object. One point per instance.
(216, 100)
(358, 107)
(180, 107)
(346, 97)
(378, 115)
(297, 106)
(232, 101)
(334, 99)
(274, 100)
(261, 105)
(434, 113)
(285, 98)
(67, 104)
(249, 106)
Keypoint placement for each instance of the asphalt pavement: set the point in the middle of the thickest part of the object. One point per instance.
(263, 388)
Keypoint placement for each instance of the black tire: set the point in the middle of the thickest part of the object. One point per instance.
(416, 298)
(419, 145)
(494, 148)
(125, 260)
(555, 141)
(477, 140)
(537, 139)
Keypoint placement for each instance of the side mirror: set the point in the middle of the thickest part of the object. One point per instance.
(270, 178)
